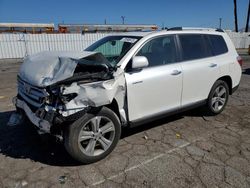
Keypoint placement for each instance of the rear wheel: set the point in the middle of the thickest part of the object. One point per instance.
(93, 136)
(218, 97)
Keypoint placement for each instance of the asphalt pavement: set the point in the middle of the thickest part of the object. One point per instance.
(184, 150)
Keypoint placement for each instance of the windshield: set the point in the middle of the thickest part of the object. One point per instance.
(113, 48)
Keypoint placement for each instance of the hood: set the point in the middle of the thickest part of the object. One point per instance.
(46, 68)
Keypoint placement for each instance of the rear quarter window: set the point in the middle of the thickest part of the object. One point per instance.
(218, 44)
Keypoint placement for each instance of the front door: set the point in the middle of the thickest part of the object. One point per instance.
(157, 88)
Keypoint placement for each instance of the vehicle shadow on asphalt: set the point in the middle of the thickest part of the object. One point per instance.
(23, 142)
(197, 112)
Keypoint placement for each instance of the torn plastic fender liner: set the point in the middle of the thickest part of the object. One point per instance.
(96, 94)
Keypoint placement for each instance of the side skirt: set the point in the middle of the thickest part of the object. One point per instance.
(161, 115)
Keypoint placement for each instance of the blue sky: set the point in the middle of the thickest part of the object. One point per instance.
(196, 13)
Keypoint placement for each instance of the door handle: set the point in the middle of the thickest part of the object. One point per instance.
(176, 72)
(213, 65)
(137, 82)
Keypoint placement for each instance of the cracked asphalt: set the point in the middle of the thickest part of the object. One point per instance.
(185, 150)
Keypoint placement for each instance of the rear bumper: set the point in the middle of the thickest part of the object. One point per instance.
(42, 124)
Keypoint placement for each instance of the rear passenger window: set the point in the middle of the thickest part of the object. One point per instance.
(218, 44)
(194, 46)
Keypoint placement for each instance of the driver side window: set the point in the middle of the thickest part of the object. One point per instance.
(159, 51)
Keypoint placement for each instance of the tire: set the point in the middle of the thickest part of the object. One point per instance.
(217, 98)
(93, 136)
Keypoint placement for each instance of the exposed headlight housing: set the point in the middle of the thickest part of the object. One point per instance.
(68, 97)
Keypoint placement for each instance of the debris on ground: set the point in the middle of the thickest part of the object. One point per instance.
(24, 183)
(21, 184)
(178, 135)
(205, 118)
(62, 179)
(145, 137)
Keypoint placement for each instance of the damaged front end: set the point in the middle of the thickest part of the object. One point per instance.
(54, 89)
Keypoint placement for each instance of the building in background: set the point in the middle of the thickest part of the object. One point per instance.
(27, 28)
(35, 28)
(95, 28)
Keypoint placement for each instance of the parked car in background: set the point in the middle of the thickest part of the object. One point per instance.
(86, 97)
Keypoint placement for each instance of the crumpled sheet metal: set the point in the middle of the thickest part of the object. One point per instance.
(46, 68)
(96, 94)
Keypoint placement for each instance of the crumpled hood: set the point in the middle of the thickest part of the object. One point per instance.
(46, 68)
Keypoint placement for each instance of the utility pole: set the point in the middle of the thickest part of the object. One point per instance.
(123, 19)
(235, 16)
(220, 21)
(248, 14)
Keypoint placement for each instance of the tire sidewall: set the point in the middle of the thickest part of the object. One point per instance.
(215, 86)
(72, 134)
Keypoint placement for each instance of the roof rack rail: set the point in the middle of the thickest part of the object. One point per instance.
(194, 28)
(175, 29)
(219, 30)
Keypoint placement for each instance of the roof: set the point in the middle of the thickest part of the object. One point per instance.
(172, 31)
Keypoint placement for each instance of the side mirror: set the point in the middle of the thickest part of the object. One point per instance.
(139, 62)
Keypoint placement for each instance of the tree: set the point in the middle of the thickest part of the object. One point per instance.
(235, 16)
(248, 14)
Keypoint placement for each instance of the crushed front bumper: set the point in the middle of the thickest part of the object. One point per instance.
(43, 125)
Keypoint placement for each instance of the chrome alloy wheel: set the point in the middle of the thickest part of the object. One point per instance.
(96, 136)
(219, 98)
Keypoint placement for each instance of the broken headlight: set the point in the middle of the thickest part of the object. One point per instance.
(68, 97)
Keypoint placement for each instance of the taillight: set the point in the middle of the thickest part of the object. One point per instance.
(240, 61)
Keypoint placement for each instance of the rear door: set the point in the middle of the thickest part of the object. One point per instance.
(200, 68)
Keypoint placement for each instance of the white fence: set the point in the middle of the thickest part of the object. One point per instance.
(240, 40)
(20, 45)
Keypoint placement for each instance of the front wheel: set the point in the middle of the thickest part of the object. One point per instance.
(93, 136)
(218, 97)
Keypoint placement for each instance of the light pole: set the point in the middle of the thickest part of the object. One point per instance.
(248, 15)
(123, 19)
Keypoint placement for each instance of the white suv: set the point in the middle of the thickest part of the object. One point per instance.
(85, 98)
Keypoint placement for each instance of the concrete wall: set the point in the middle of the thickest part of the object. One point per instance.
(20, 45)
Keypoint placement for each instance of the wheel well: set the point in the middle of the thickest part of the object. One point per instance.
(228, 80)
(114, 107)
